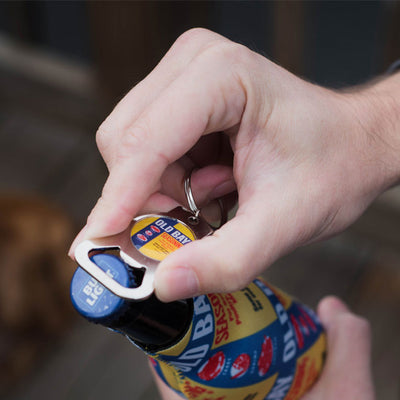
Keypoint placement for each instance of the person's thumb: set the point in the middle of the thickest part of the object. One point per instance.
(347, 372)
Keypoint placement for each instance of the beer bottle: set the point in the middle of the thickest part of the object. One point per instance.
(254, 344)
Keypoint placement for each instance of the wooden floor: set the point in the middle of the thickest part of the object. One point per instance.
(47, 146)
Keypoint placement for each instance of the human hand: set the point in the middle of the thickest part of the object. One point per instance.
(346, 374)
(347, 371)
(307, 161)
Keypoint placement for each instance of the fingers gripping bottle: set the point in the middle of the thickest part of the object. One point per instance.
(253, 344)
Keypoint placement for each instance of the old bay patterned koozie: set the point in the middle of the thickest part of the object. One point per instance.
(253, 344)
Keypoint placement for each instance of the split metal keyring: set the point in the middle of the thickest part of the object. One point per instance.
(192, 204)
(189, 195)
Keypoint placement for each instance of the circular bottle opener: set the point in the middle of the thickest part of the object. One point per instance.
(147, 240)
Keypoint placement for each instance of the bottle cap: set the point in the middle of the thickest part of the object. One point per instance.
(92, 300)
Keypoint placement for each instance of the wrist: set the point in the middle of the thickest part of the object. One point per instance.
(375, 110)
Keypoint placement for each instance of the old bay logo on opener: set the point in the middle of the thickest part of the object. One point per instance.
(157, 236)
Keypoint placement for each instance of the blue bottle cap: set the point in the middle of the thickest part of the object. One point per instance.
(92, 300)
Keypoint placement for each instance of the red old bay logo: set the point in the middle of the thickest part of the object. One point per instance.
(240, 366)
(142, 237)
(265, 359)
(289, 342)
(155, 229)
(212, 367)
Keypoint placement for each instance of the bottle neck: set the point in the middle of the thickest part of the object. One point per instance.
(149, 323)
(154, 325)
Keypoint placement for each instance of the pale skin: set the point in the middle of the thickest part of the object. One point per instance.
(306, 162)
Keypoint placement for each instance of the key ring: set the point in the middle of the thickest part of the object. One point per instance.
(190, 199)
(192, 204)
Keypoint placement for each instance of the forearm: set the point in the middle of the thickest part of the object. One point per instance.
(377, 112)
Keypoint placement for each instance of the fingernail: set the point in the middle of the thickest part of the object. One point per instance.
(176, 283)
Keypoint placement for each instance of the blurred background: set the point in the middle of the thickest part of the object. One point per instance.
(63, 66)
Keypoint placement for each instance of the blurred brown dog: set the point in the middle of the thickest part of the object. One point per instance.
(35, 274)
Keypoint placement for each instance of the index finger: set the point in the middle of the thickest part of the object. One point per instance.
(206, 97)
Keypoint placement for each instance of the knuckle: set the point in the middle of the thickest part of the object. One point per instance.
(237, 278)
(194, 36)
(103, 138)
(138, 139)
(228, 52)
(235, 60)
(134, 138)
(234, 276)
